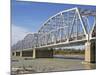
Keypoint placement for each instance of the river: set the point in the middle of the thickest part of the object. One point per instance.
(58, 63)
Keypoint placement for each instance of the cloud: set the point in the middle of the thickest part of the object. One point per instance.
(18, 33)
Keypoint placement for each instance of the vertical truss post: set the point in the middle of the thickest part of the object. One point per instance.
(61, 28)
(77, 28)
(73, 21)
(63, 21)
(55, 37)
(68, 28)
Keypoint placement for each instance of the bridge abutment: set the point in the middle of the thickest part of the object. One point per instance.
(90, 52)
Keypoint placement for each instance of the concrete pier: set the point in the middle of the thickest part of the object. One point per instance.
(20, 53)
(90, 52)
(34, 53)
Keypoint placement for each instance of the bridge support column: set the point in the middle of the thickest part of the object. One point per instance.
(14, 53)
(34, 53)
(20, 53)
(90, 52)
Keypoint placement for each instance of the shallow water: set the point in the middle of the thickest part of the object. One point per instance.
(50, 64)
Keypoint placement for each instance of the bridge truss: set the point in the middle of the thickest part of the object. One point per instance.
(68, 25)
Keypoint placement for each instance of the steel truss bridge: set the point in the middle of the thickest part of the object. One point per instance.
(69, 27)
(66, 27)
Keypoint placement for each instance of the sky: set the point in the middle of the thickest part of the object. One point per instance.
(28, 17)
